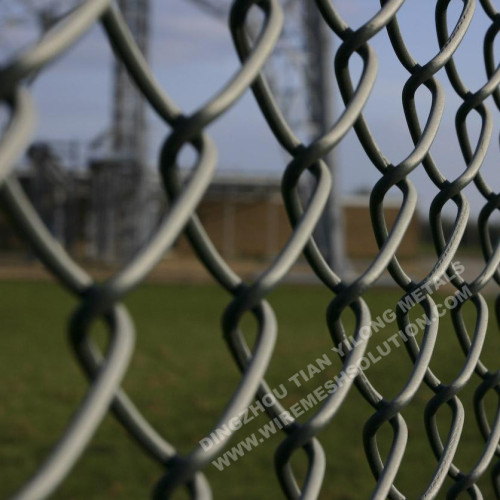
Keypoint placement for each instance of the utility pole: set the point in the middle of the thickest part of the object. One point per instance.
(319, 84)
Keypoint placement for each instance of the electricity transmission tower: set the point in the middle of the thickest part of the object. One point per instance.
(301, 77)
(129, 133)
(119, 220)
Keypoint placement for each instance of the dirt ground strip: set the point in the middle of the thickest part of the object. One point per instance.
(178, 269)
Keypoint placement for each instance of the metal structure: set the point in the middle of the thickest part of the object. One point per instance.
(51, 190)
(129, 132)
(103, 300)
(299, 73)
(122, 220)
(119, 224)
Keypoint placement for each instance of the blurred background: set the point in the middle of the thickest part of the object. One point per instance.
(92, 170)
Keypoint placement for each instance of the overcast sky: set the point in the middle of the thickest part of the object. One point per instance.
(192, 55)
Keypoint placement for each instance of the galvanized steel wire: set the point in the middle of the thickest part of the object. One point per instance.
(103, 301)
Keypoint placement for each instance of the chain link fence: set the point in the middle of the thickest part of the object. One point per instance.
(105, 371)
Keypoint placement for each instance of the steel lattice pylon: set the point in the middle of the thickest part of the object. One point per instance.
(120, 178)
(129, 132)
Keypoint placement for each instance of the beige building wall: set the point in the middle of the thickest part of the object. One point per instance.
(250, 227)
(360, 239)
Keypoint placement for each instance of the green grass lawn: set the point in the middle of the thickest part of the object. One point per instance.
(181, 376)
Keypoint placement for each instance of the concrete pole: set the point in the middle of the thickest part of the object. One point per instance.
(319, 79)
